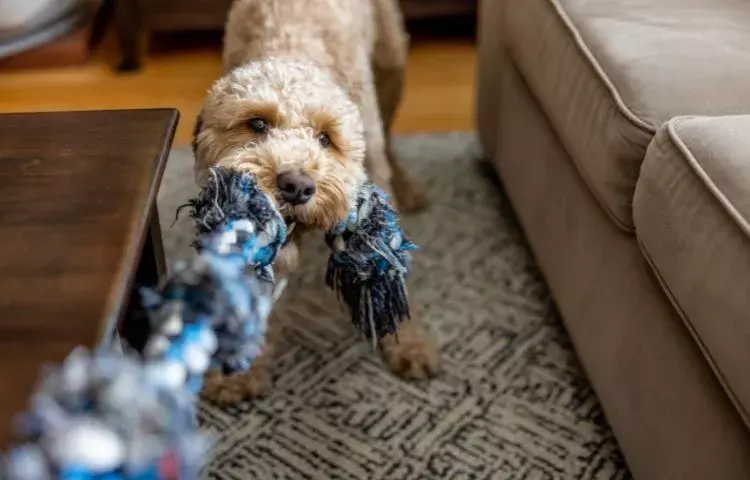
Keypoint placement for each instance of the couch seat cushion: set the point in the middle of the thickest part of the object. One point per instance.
(692, 218)
(607, 73)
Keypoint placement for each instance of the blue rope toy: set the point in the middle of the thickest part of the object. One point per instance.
(251, 233)
(106, 415)
(370, 253)
(369, 264)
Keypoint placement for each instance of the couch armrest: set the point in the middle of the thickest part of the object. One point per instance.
(692, 218)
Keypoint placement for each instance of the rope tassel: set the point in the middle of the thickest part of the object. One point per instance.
(369, 264)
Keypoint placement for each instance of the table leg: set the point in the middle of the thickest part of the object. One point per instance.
(153, 265)
(135, 328)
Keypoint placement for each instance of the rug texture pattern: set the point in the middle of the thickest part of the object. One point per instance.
(511, 402)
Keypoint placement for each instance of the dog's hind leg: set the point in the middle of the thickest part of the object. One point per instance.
(389, 58)
(388, 65)
(364, 94)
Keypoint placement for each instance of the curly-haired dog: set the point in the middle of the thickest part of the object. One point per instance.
(309, 90)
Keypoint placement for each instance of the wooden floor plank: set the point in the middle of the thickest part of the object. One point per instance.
(439, 93)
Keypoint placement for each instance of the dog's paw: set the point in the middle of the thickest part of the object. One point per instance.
(413, 355)
(409, 195)
(227, 390)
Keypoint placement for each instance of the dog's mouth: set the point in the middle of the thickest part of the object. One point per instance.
(290, 226)
(290, 213)
(294, 217)
(302, 220)
(310, 216)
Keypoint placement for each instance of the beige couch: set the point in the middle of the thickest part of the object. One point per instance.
(616, 127)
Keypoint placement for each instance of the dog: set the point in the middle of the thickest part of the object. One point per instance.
(309, 91)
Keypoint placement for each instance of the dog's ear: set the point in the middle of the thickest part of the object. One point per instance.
(196, 130)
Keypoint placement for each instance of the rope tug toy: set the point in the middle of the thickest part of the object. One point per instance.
(369, 263)
(109, 415)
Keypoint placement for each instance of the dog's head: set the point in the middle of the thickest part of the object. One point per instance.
(291, 126)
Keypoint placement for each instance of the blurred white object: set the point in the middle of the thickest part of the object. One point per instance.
(88, 444)
(27, 24)
(15, 13)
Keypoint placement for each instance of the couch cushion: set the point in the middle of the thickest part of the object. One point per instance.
(692, 218)
(608, 72)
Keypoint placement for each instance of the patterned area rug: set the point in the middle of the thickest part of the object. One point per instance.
(511, 403)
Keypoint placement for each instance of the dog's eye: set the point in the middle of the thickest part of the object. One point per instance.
(325, 140)
(258, 125)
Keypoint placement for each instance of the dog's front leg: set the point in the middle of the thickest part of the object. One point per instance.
(230, 389)
(411, 353)
(225, 389)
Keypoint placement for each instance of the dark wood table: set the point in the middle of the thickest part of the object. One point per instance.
(78, 226)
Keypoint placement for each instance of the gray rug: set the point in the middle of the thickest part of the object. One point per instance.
(511, 402)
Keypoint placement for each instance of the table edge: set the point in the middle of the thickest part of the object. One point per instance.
(119, 295)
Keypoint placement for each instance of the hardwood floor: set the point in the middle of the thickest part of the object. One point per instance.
(439, 94)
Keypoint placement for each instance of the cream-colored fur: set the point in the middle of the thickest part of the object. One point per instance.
(325, 77)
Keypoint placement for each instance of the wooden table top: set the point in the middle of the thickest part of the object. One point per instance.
(76, 193)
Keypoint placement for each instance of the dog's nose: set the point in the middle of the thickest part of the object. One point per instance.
(295, 188)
